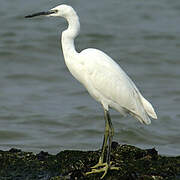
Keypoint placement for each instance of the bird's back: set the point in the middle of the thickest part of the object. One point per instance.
(110, 85)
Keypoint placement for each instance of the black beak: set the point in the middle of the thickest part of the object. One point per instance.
(40, 13)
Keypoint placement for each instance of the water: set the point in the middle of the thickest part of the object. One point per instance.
(42, 107)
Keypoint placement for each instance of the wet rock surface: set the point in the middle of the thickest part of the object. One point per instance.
(134, 163)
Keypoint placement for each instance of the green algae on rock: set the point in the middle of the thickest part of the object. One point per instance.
(134, 163)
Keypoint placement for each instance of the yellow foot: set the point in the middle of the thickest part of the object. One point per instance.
(102, 167)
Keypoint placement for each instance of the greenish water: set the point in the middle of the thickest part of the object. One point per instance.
(42, 107)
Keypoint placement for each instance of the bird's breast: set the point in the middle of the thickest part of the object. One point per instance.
(76, 68)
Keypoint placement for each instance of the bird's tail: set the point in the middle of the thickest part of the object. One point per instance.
(148, 107)
(144, 109)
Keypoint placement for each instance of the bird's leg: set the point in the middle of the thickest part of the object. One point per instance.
(106, 138)
(108, 135)
(111, 133)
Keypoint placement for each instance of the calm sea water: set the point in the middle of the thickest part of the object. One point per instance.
(42, 107)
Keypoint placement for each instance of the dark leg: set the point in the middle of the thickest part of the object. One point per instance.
(108, 135)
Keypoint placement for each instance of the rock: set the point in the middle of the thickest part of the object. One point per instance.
(134, 163)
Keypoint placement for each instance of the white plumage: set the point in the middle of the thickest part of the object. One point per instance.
(109, 84)
(103, 78)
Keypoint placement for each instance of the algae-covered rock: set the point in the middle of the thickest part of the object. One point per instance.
(134, 163)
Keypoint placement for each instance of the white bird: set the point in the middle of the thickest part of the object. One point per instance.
(104, 79)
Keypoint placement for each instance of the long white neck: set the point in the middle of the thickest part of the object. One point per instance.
(70, 34)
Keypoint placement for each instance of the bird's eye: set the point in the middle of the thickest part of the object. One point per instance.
(56, 11)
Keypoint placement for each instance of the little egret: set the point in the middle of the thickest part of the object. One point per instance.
(105, 81)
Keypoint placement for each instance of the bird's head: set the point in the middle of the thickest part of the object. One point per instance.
(61, 10)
